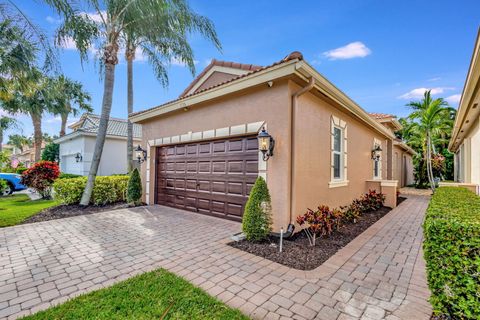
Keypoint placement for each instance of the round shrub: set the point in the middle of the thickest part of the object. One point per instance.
(257, 220)
(134, 189)
(41, 177)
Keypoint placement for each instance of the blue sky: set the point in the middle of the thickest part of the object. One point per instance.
(380, 53)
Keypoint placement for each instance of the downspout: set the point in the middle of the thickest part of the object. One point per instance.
(293, 110)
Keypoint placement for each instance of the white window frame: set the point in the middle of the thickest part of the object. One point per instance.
(342, 181)
(377, 175)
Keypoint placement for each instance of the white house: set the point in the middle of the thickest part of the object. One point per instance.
(76, 148)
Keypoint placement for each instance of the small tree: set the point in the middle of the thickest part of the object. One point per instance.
(51, 152)
(134, 189)
(41, 177)
(257, 220)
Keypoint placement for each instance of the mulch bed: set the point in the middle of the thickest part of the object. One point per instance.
(297, 252)
(66, 211)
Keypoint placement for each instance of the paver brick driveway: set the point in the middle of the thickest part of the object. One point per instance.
(379, 275)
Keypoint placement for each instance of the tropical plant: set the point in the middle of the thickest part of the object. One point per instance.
(320, 222)
(103, 29)
(257, 219)
(70, 98)
(19, 141)
(51, 152)
(5, 124)
(134, 189)
(41, 177)
(430, 120)
(163, 42)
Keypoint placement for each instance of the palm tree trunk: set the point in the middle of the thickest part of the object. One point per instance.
(130, 56)
(102, 131)
(429, 163)
(37, 135)
(1, 140)
(64, 117)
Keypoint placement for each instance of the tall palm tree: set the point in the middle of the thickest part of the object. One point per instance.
(18, 141)
(104, 29)
(34, 101)
(165, 41)
(70, 98)
(429, 121)
(5, 124)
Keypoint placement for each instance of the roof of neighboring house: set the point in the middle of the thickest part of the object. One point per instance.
(381, 115)
(89, 124)
(469, 106)
(218, 63)
(292, 64)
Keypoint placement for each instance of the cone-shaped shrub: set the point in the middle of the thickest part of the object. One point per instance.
(134, 189)
(257, 221)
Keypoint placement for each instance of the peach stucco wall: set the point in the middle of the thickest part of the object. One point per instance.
(402, 167)
(312, 151)
(313, 155)
(260, 104)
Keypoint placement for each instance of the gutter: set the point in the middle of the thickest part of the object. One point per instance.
(295, 96)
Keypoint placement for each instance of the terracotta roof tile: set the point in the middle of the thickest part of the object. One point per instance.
(294, 55)
(381, 115)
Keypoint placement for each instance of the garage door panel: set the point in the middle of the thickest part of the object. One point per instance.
(209, 177)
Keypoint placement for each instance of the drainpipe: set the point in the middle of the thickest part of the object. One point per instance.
(293, 110)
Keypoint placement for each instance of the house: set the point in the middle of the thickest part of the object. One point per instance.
(203, 153)
(465, 141)
(26, 155)
(76, 148)
(402, 161)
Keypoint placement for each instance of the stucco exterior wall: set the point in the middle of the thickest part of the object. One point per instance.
(313, 155)
(467, 158)
(402, 167)
(113, 159)
(262, 103)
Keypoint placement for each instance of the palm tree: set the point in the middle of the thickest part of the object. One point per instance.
(429, 118)
(5, 124)
(18, 141)
(70, 98)
(161, 45)
(105, 29)
(36, 99)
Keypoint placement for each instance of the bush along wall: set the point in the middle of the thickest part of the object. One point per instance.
(108, 189)
(452, 252)
(257, 220)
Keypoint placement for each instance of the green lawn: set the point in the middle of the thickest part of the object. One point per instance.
(154, 295)
(16, 208)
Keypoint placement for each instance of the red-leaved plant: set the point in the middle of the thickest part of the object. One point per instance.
(321, 222)
(372, 201)
(41, 177)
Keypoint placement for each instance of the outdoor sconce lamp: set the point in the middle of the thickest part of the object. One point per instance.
(141, 154)
(265, 144)
(78, 157)
(376, 152)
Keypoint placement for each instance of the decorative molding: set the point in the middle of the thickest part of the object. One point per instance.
(336, 122)
(339, 183)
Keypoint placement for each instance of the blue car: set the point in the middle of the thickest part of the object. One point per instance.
(13, 183)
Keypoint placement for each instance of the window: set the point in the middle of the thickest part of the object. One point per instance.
(337, 153)
(338, 149)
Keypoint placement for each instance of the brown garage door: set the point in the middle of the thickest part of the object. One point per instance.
(213, 177)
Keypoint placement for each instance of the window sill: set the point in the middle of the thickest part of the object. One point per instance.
(339, 183)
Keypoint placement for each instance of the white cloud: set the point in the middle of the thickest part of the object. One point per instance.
(418, 92)
(68, 44)
(434, 79)
(53, 20)
(54, 120)
(96, 16)
(352, 50)
(454, 99)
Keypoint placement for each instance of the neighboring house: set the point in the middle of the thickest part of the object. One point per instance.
(465, 141)
(203, 153)
(27, 155)
(76, 148)
(402, 161)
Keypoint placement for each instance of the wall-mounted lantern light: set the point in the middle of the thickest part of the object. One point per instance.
(376, 152)
(141, 154)
(78, 157)
(265, 144)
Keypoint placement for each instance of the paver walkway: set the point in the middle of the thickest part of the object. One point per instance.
(379, 275)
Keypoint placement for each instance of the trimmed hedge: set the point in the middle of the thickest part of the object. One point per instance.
(68, 176)
(452, 252)
(109, 189)
(257, 219)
